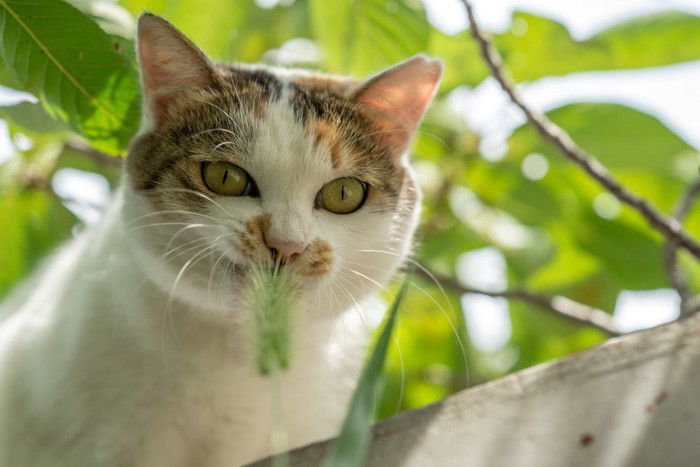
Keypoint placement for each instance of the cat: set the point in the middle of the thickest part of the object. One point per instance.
(129, 347)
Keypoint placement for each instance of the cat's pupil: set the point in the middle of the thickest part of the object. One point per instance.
(223, 180)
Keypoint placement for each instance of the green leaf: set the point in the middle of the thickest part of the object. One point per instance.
(362, 37)
(545, 47)
(34, 223)
(231, 31)
(351, 447)
(536, 47)
(632, 255)
(619, 136)
(463, 62)
(665, 38)
(568, 266)
(31, 117)
(74, 67)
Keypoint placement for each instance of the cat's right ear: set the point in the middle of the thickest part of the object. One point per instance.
(170, 63)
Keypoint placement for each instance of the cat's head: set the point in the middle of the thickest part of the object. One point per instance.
(236, 165)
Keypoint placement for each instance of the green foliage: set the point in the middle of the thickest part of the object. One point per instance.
(535, 47)
(623, 139)
(644, 42)
(271, 295)
(31, 118)
(34, 223)
(79, 62)
(79, 73)
(363, 37)
(350, 449)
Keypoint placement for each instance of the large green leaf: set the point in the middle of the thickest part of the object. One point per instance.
(31, 117)
(361, 37)
(632, 255)
(536, 47)
(230, 31)
(546, 48)
(79, 72)
(621, 137)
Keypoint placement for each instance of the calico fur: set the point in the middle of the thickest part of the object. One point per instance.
(130, 347)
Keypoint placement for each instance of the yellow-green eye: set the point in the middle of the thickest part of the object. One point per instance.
(342, 195)
(227, 179)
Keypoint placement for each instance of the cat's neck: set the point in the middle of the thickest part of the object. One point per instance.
(117, 293)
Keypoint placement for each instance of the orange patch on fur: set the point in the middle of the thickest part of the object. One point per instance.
(259, 110)
(324, 131)
(252, 242)
(316, 260)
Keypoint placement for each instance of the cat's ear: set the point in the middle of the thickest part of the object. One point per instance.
(170, 63)
(396, 99)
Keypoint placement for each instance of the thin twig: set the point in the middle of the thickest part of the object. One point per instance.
(562, 306)
(560, 139)
(689, 304)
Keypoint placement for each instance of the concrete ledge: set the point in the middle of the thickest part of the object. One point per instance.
(634, 401)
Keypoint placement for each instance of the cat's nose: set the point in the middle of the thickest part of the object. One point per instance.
(284, 250)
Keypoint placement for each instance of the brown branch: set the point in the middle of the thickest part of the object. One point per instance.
(560, 139)
(689, 304)
(561, 306)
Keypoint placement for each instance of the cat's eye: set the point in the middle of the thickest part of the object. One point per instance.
(226, 179)
(342, 195)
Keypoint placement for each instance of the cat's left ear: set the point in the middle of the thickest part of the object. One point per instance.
(396, 99)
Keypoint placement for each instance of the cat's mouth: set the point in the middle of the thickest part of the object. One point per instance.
(243, 270)
(304, 277)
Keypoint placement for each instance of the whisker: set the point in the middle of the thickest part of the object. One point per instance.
(216, 107)
(211, 130)
(172, 211)
(201, 195)
(225, 143)
(185, 228)
(163, 224)
(171, 296)
(444, 312)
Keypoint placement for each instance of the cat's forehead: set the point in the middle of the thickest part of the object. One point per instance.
(298, 120)
(311, 96)
(289, 125)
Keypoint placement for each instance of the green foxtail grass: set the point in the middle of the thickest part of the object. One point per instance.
(272, 297)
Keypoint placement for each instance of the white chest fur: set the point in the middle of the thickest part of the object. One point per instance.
(98, 367)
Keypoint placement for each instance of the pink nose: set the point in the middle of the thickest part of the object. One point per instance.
(285, 250)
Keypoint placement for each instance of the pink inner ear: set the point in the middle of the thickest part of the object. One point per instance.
(396, 100)
(169, 63)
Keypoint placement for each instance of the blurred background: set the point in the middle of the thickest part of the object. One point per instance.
(502, 210)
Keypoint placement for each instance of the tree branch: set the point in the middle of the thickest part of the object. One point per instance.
(556, 136)
(689, 303)
(562, 306)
